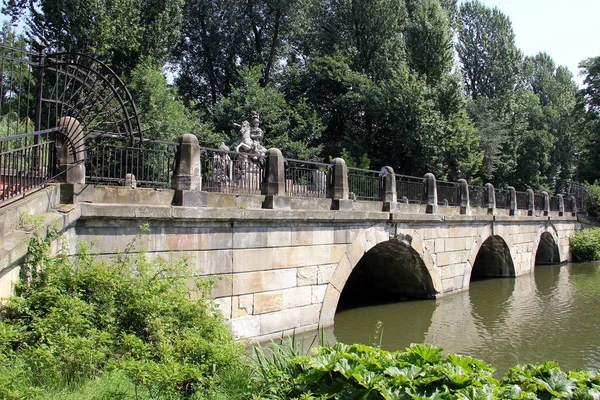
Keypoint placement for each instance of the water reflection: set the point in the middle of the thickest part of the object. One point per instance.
(549, 315)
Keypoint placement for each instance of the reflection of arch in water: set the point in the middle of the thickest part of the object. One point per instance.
(390, 271)
(399, 268)
(493, 260)
(489, 301)
(547, 251)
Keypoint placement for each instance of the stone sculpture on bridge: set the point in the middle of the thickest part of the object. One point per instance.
(251, 136)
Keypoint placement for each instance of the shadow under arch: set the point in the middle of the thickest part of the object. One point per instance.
(493, 260)
(391, 271)
(547, 251)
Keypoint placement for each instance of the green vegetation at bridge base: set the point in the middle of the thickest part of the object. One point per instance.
(585, 245)
(81, 329)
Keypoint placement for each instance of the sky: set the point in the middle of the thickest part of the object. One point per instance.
(568, 30)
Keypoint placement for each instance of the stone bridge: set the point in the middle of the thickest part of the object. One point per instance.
(285, 263)
(281, 271)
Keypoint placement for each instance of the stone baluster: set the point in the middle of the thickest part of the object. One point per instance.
(463, 191)
(490, 198)
(546, 198)
(387, 189)
(530, 202)
(573, 206)
(429, 197)
(70, 151)
(273, 183)
(130, 181)
(512, 206)
(187, 176)
(337, 185)
(70, 158)
(561, 205)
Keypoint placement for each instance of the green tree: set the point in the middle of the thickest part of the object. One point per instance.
(121, 33)
(486, 48)
(220, 37)
(163, 114)
(429, 40)
(292, 127)
(588, 121)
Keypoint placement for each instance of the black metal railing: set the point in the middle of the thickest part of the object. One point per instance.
(363, 183)
(409, 188)
(26, 162)
(553, 203)
(448, 193)
(539, 201)
(306, 178)
(227, 171)
(522, 201)
(476, 196)
(502, 198)
(20, 72)
(111, 157)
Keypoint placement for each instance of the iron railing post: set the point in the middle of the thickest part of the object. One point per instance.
(38, 105)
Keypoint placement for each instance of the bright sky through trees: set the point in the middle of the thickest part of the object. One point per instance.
(565, 29)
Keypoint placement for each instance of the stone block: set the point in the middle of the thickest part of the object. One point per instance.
(318, 255)
(325, 272)
(341, 274)
(345, 235)
(451, 271)
(318, 294)
(439, 245)
(246, 327)
(246, 302)
(297, 297)
(250, 237)
(215, 262)
(332, 296)
(277, 203)
(342, 204)
(263, 281)
(279, 236)
(302, 236)
(224, 306)
(268, 302)
(223, 286)
(252, 260)
(323, 235)
(308, 276)
(451, 257)
(189, 198)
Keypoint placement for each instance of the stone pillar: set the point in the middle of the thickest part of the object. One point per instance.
(489, 200)
(387, 188)
(513, 209)
(530, 202)
(70, 151)
(573, 206)
(273, 182)
(463, 188)
(561, 205)
(187, 177)
(546, 198)
(337, 185)
(430, 193)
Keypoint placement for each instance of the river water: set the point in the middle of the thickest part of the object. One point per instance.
(552, 314)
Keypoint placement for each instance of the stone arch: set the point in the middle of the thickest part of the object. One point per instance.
(364, 242)
(499, 236)
(547, 237)
(485, 233)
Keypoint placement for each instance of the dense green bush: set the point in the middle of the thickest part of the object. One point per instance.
(76, 322)
(420, 372)
(585, 245)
